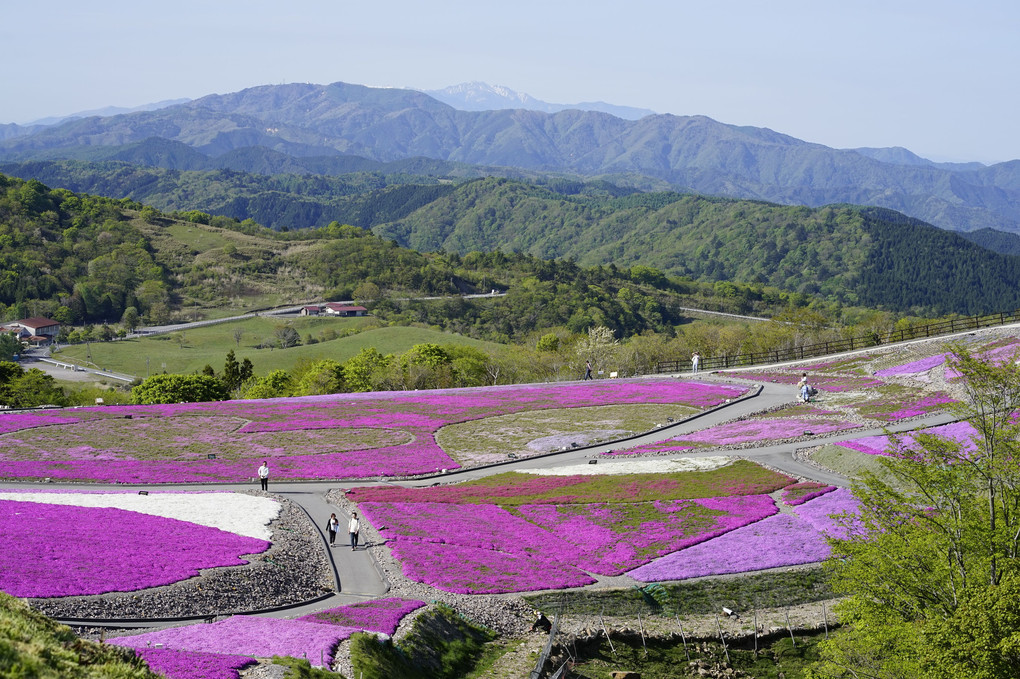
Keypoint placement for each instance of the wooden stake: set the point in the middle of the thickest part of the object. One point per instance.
(683, 637)
(825, 619)
(789, 629)
(602, 620)
(723, 640)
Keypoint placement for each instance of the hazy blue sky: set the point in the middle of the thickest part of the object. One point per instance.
(934, 76)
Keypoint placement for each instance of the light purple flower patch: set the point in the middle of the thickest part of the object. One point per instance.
(745, 431)
(377, 615)
(961, 432)
(914, 367)
(59, 550)
(193, 665)
(250, 636)
(780, 540)
(819, 512)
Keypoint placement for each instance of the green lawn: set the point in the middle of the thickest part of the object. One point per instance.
(209, 345)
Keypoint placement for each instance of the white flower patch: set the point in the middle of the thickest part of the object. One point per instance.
(684, 464)
(241, 514)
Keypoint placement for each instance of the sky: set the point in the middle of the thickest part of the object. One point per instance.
(937, 77)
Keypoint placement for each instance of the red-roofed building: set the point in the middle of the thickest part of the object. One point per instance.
(35, 331)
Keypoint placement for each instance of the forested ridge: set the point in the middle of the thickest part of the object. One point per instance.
(82, 259)
(842, 254)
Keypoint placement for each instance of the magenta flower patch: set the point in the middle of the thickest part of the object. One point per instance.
(193, 665)
(746, 431)
(377, 615)
(59, 550)
(820, 511)
(781, 540)
(471, 570)
(339, 436)
(614, 538)
(799, 493)
(251, 636)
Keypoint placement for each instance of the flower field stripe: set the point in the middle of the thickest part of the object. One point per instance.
(59, 550)
(615, 538)
(377, 615)
(819, 511)
(339, 436)
(765, 429)
(741, 477)
(250, 636)
(470, 570)
(234, 512)
(799, 493)
(921, 365)
(780, 540)
(192, 664)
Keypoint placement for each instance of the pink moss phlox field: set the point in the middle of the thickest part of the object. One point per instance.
(17, 421)
(60, 550)
(820, 512)
(614, 538)
(192, 664)
(780, 540)
(961, 432)
(418, 414)
(377, 615)
(905, 409)
(250, 636)
(746, 431)
(830, 383)
(914, 367)
(470, 570)
(799, 493)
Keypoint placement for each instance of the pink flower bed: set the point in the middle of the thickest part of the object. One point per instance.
(780, 540)
(193, 665)
(472, 570)
(249, 636)
(746, 431)
(922, 365)
(896, 409)
(377, 615)
(799, 493)
(614, 538)
(59, 550)
(418, 414)
(961, 432)
(483, 549)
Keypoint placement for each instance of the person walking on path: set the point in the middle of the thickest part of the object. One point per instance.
(264, 475)
(354, 528)
(587, 371)
(332, 526)
(803, 381)
(695, 362)
(805, 392)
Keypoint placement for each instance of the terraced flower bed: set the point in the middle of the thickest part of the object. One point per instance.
(480, 537)
(961, 432)
(321, 437)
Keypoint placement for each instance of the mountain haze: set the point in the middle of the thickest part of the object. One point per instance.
(682, 152)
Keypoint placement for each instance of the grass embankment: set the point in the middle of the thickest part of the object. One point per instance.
(746, 593)
(852, 463)
(441, 645)
(32, 645)
(193, 349)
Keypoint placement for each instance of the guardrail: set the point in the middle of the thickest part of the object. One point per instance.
(839, 346)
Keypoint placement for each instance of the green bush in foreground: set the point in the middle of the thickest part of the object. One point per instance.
(32, 645)
(441, 645)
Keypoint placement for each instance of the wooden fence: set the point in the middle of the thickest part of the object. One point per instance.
(839, 346)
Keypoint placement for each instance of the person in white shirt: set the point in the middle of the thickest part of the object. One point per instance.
(354, 528)
(264, 475)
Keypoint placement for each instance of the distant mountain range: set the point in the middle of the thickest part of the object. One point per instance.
(684, 153)
(477, 96)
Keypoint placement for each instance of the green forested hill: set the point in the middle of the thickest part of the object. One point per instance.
(861, 256)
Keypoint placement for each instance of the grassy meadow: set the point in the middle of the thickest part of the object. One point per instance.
(193, 349)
